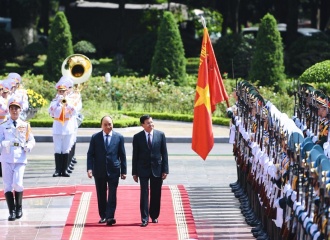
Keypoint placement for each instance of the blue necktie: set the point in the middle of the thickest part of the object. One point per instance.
(14, 122)
(107, 141)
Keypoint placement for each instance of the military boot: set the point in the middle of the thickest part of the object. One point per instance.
(11, 206)
(57, 172)
(18, 202)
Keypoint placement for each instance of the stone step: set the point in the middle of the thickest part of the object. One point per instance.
(217, 214)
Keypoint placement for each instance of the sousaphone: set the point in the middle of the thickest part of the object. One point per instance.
(78, 67)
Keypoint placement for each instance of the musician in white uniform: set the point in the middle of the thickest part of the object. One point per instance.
(63, 112)
(16, 140)
(74, 97)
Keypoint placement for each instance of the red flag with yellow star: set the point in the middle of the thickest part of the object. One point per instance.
(210, 90)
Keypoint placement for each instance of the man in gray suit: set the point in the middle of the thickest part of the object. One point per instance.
(149, 162)
(106, 161)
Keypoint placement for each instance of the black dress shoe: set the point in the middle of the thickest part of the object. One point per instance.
(102, 220)
(234, 184)
(144, 224)
(259, 233)
(155, 220)
(111, 221)
(235, 189)
(65, 174)
(257, 229)
(254, 223)
(263, 237)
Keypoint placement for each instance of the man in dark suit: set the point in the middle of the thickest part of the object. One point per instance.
(149, 162)
(106, 161)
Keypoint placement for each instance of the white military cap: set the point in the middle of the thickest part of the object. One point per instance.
(15, 76)
(69, 82)
(15, 101)
(6, 84)
(62, 84)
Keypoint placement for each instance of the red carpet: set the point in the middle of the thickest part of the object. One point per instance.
(175, 220)
(54, 191)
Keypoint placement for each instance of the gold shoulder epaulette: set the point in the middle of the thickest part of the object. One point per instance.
(4, 122)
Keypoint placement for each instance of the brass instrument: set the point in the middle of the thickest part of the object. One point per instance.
(78, 67)
(61, 99)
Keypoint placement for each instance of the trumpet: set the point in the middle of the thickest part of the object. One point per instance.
(61, 99)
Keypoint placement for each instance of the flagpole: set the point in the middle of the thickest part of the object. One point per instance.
(203, 22)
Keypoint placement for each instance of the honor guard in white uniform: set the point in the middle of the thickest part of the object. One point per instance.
(3, 111)
(3, 104)
(16, 140)
(63, 112)
(20, 92)
(6, 92)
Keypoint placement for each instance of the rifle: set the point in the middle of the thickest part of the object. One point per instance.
(272, 212)
(290, 230)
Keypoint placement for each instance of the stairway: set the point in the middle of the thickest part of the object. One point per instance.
(217, 214)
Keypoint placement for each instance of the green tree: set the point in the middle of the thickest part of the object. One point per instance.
(267, 62)
(59, 48)
(169, 59)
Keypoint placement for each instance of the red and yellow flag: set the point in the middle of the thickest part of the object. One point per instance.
(210, 90)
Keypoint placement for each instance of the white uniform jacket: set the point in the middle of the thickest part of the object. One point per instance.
(4, 112)
(75, 99)
(15, 142)
(68, 126)
(22, 94)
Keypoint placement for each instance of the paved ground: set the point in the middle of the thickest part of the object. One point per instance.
(214, 207)
(174, 131)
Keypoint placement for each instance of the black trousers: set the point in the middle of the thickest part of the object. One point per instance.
(106, 204)
(155, 197)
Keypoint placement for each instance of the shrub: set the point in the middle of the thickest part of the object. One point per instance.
(319, 74)
(84, 47)
(59, 47)
(267, 63)
(38, 84)
(168, 59)
(192, 66)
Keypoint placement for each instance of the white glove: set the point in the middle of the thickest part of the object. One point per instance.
(26, 149)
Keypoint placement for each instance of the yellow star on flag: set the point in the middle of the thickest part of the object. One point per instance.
(204, 97)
